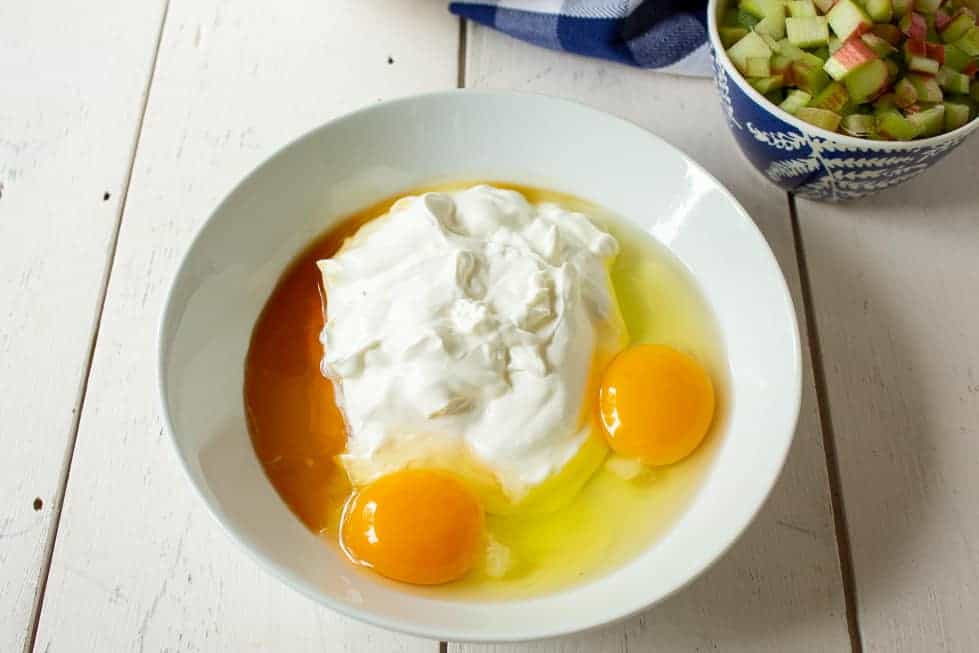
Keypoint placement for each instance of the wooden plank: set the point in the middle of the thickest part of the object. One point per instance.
(72, 93)
(894, 282)
(138, 563)
(779, 588)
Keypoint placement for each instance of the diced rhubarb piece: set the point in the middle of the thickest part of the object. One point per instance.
(942, 19)
(923, 65)
(768, 84)
(915, 48)
(795, 100)
(848, 19)
(746, 20)
(859, 124)
(819, 117)
(926, 87)
(970, 69)
(927, 6)
(891, 124)
(901, 7)
(773, 24)
(904, 94)
(785, 48)
(890, 33)
(867, 82)
(884, 103)
(880, 11)
(970, 42)
(824, 5)
(780, 64)
(960, 24)
(807, 32)
(760, 8)
(956, 59)
(731, 35)
(822, 52)
(750, 47)
(914, 26)
(956, 115)
(808, 74)
(952, 81)
(853, 54)
(834, 44)
(801, 8)
(936, 51)
(930, 121)
(834, 97)
(758, 67)
(880, 47)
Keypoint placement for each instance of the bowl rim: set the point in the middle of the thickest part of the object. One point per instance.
(724, 543)
(721, 56)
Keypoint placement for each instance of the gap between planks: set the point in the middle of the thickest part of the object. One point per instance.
(844, 553)
(90, 356)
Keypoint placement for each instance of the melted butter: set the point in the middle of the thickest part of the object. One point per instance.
(297, 430)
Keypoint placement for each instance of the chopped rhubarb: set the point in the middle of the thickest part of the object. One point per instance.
(867, 82)
(807, 32)
(942, 20)
(956, 115)
(750, 47)
(970, 42)
(914, 26)
(848, 19)
(926, 87)
(956, 59)
(773, 24)
(890, 33)
(852, 54)
(957, 27)
(930, 121)
(880, 11)
(834, 97)
(795, 100)
(891, 124)
(927, 6)
(858, 124)
(801, 8)
(878, 45)
(923, 65)
(820, 117)
(952, 81)
(904, 94)
(936, 51)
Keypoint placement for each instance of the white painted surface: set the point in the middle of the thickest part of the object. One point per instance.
(894, 283)
(71, 95)
(138, 563)
(779, 588)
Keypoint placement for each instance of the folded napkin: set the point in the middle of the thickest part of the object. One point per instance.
(667, 35)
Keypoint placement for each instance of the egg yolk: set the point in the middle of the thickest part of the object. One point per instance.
(415, 526)
(656, 404)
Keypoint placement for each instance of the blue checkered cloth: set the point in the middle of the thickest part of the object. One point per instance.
(667, 35)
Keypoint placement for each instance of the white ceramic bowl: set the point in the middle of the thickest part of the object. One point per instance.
(234, 262)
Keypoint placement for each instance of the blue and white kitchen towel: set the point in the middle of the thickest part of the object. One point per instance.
(666, 35)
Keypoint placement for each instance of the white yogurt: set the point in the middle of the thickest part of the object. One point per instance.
(469, 321)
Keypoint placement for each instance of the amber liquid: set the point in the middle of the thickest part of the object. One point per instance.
(297, 430)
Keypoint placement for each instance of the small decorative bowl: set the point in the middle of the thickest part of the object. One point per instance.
(808, 160)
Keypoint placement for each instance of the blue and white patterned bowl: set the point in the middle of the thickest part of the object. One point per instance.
(810, 161)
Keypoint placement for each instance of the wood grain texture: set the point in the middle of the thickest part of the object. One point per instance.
(779, 588)
(71, 96)
(894, 282)
(138, 564)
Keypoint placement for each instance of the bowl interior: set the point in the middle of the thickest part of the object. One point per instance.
(233, 265)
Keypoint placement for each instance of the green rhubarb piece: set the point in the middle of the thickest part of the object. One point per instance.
(970, 42)
(904, 94)
(819, 117)
(929, 122)
(746, 20)
(795, 100)
(851, 55)
(956, 115)
(758, 67)
(784, 47)
(766, 85)
(801, 8)
(751, 46)
(926, 87)
(848, 19)
(867, 81)
(880, 46)
(731, 35)
(901, 7)
(834, 97)
(773, 24)
(880, 11)
(886, 102)
(961, 23)
(809, 75)
(834, 44)
(891, 124)
(923, 65)
(858, 124)
(927, 6)
(807, 32)
(760, 8)
(822, 53)
(953, 82)
(780, 64)
(955, 58)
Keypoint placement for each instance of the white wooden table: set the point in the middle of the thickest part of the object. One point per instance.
(121, 125)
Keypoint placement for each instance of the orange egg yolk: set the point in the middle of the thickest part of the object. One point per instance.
(415, 526)
(656, 404)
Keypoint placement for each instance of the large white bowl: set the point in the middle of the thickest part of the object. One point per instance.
(234, 262)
